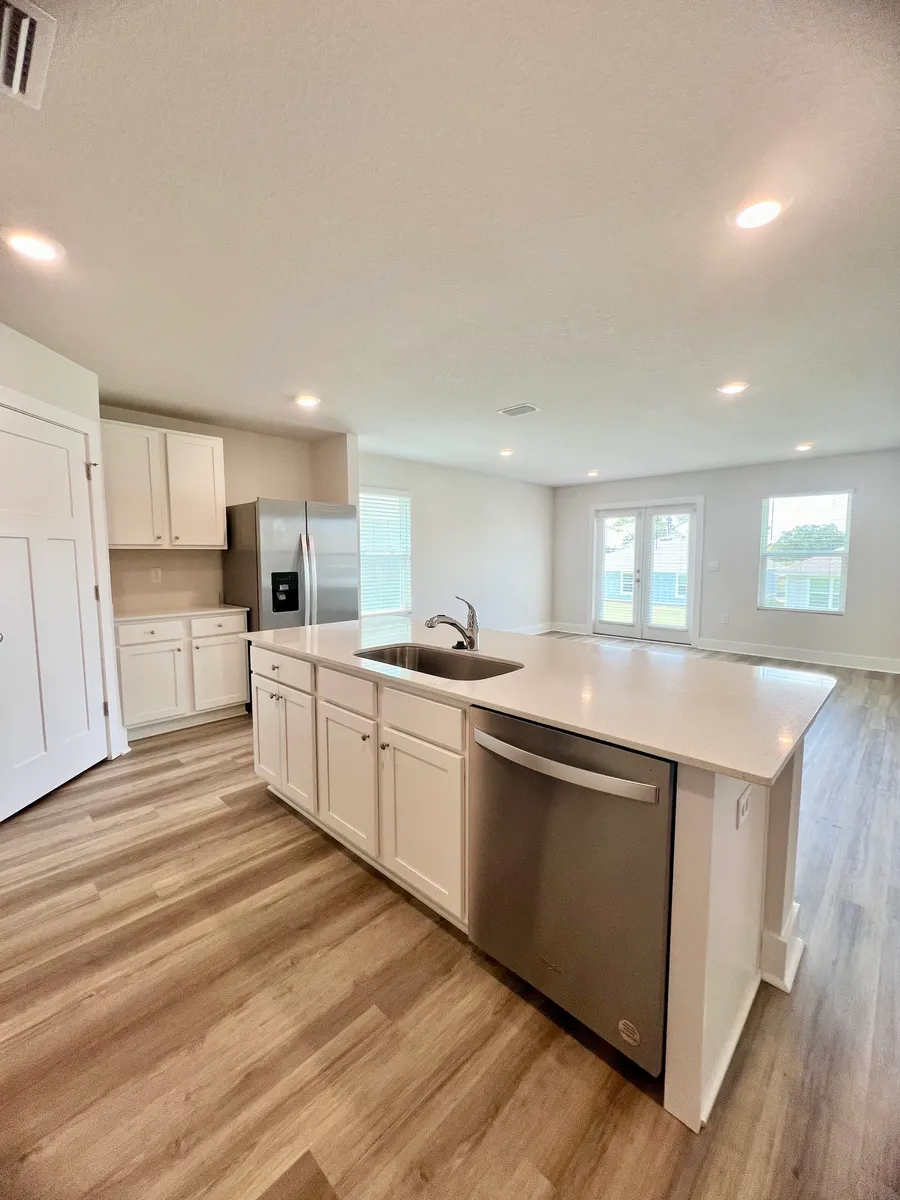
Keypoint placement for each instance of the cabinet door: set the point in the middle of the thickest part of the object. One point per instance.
(422, 817)
(298, 759)
(196, 472)
(134, 478)
(220, 672)
(348, 759)
(267, 731)
(154, 682)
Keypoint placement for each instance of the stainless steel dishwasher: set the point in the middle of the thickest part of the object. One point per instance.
(570, 859)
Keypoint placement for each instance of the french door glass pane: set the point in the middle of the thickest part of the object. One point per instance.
(667, 596)
(617, 570)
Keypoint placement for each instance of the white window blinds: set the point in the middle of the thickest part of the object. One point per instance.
(384, 552)
(803, 553)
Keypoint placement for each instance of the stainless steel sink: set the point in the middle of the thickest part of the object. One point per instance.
(434, 660)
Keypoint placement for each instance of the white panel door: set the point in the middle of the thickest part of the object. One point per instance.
(348, 789)
(52, 725)
(267, 730)
(196, 475)
(155, 682)
(220, 672)
(422, 817)
(298, 756)
(134, 478)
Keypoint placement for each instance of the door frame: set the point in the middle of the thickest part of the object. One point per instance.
(116, 737)
(697, 502)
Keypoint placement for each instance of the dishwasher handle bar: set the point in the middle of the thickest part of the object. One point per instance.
(629, 789)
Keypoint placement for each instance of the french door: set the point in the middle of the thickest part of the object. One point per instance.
(644, 572)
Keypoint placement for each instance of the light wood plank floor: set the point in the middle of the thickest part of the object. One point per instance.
(203, 997)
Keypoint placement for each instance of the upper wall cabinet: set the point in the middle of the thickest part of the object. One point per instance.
(163, 488)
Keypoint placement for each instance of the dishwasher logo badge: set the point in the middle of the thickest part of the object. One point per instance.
(629, 1033)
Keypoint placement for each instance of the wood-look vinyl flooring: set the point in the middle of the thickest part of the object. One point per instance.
(202, 996)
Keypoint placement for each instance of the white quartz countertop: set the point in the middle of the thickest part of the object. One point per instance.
(156, 611)
(733, 718)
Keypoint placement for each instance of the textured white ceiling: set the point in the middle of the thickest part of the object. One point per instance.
(426, 211)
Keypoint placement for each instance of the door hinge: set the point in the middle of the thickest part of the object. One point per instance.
(106, 708)
(96, 591)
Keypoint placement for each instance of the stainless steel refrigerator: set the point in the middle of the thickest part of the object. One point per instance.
(293, 562)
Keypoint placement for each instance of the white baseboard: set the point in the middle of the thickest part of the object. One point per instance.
(567, 627)
(717, 1077)
(780, 953)
(821, 658)
(205, 718)
(542, 627)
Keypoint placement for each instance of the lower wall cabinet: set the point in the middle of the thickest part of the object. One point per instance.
(179, 669)
(348, 775)
(156, 682)
(422, 817)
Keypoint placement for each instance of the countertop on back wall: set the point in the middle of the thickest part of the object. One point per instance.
(734, 718)
(147, 612)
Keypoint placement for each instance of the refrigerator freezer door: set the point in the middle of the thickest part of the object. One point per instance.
(333, 543)
(282, 568)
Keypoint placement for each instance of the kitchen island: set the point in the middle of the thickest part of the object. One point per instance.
(379, 756)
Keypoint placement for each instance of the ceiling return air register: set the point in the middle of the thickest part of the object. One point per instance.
(26, 39)
(518, 410)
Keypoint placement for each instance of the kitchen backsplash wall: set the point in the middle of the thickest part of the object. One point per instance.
(190, 579)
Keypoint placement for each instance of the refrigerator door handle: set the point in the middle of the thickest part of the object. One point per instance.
(313, 581)
(306, 589)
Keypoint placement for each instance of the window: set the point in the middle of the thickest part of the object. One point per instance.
(626, 586)
(803, 553)
(384, 552)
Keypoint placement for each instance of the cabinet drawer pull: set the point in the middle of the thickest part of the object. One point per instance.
(385, 745)
(274, 666)
(218, 624)
(159, 537)
(272, 696)
(364, 736)
(151, 631)
(178, 648)
(176, 538)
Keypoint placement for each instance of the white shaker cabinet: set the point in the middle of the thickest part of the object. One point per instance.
(163, 488)
(348, 770)
(220, 672)
(422, 805)
(267, 730)
(155, 682)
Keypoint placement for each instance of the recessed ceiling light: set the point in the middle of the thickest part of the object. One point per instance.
(32, 245)
(506, 453)
(591, 474)
(307, 401)
(758, 214)
(804, 446)
(734, 388)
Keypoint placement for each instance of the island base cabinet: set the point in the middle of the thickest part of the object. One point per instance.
(422, 826)
(298, 755)
(348, 792)
(155, 682)
(267, 730)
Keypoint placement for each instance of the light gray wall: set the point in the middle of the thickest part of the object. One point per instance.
(29, 367)
(477, 536)
(870, 628)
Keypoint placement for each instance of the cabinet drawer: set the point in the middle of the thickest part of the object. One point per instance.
(291, 671)
(438, 723)
(347, 691)
(151, 631)
(221, 623)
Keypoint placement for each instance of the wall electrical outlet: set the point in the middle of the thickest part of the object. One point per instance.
(724, 620)
(743, 806)
(156, 574)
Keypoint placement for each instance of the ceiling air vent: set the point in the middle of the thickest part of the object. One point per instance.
(518, 410)
(26, 39)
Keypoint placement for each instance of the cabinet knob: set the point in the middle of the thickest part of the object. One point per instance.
(218, 624)
(364, 736)
(159, 537)
(176, 538)
(275, 667)
(151, 631)
(272, 696)
(385, 745)
(178, 648)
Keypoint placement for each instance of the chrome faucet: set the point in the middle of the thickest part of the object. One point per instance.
(469, 634)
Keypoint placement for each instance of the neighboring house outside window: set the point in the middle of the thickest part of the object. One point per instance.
(803, 553)
(385, 569)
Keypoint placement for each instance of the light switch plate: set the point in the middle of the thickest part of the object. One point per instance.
(712, 565)
(156, 574)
